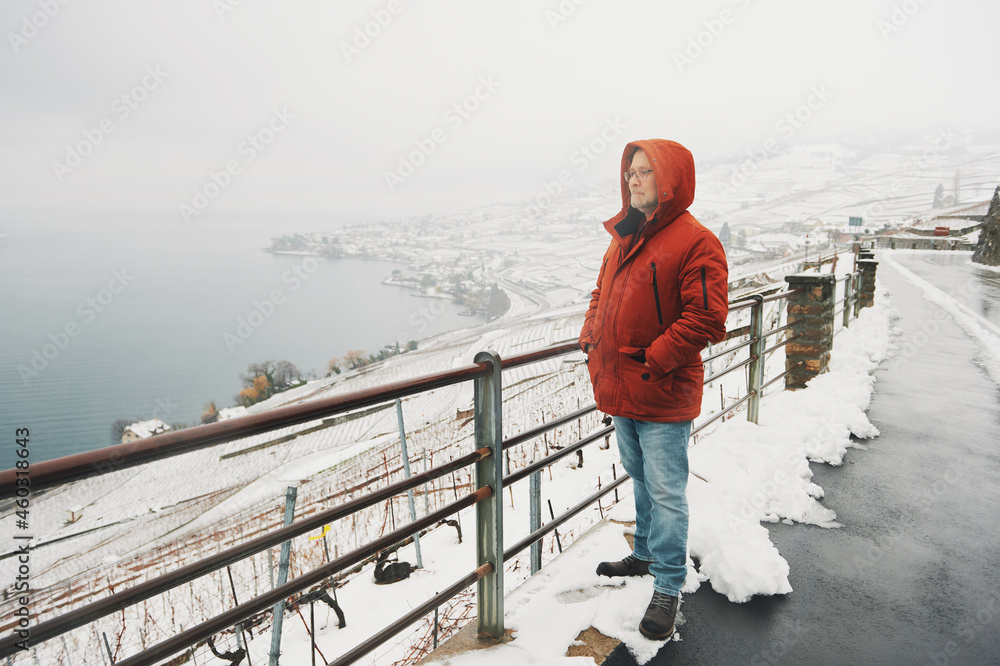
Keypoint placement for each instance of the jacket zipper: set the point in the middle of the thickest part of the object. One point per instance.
(656, 292)
(704, 288)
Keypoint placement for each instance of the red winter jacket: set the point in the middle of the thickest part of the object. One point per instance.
(661, 296)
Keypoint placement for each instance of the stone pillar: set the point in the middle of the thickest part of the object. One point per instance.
(867, 292)
(811, 315)
(866, 254)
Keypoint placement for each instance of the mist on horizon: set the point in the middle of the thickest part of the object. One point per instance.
(199, 111)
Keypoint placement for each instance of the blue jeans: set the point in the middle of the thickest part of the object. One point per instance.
(655, 455)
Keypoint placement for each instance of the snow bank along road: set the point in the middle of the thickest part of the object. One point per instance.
(913, 576)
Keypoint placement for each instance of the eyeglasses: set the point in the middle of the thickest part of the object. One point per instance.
(642, 174)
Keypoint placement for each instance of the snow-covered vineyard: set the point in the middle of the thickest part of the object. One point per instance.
(130, 526)
(139, 523)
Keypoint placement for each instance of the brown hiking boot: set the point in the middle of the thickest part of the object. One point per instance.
(658, 622)
(630, 566)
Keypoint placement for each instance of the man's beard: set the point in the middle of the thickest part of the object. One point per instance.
(643, 202)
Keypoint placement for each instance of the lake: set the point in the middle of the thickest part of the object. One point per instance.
(130, 317)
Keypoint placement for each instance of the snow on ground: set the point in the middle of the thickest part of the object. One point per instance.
(991, 269)
(744, 473)
(234, 486)
(734, 551)
(741, 475)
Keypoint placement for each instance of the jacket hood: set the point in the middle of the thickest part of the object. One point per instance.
(673, 169)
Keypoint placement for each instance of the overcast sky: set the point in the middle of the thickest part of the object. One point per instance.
(124, 104)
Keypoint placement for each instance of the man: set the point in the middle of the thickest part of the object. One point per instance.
(661, 296)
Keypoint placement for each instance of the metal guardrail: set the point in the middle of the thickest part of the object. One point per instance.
(51, 473)
(820, 262)
(485, 371)
(757, 356)
(850, 303)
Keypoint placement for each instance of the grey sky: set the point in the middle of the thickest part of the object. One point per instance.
(546, 86)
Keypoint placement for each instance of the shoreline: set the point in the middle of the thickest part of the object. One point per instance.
(463, 289)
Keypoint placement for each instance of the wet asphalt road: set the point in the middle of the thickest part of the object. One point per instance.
(973, 286)
(913, 576)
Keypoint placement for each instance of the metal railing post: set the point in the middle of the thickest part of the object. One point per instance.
(855, 292)
(406, 473)
(847, 300)
(755, 375)
(535, 508)
(286, 552)
(489, 512)
(708, 365)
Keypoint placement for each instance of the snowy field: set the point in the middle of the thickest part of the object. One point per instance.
(142, 522)
(139, 523)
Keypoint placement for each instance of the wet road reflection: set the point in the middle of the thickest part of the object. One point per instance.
(974, 286)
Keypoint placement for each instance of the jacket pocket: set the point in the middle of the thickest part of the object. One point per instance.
(646, 393)
(637, 354)
(656, 291)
